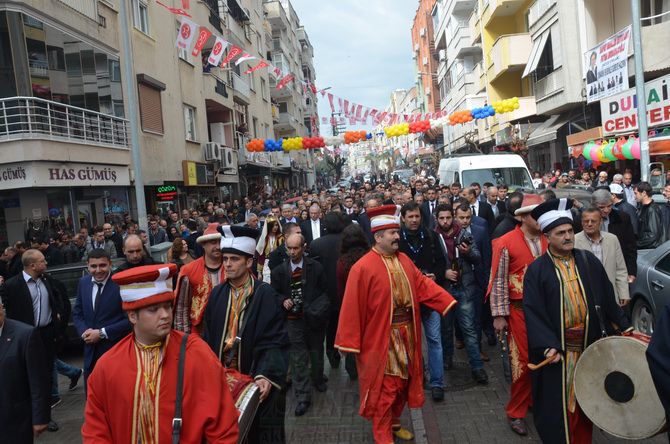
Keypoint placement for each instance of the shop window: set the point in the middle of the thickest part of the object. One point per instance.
(151, 112)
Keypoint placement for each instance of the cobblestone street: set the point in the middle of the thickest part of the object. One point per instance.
(469, 413)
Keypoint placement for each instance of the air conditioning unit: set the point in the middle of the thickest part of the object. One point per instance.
(442, 55)
(228, 158)
(212, 151)
(416, 47)
(425, 61)
(427, 91)
(422, 32)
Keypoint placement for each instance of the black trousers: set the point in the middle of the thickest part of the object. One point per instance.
(332, 353)
(268, 426)
(305, 357)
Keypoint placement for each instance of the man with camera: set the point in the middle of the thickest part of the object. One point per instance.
(461, 255)
(301, 283)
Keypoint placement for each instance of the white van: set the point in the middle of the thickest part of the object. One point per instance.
(509, 169)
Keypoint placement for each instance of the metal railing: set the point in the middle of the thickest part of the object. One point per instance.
(35, 118)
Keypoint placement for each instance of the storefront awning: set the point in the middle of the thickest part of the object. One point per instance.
(547, 131)
(535, 53)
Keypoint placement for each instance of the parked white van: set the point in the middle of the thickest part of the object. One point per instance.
(498, 169)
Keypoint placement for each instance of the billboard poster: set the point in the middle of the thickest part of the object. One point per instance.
(607, 66)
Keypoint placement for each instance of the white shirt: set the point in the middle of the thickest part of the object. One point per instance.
(40, 297)
(94, 290)
(298, 265)
(431, 206)
(475, 208)
(316, 229)
(630, 195)
(291, 220)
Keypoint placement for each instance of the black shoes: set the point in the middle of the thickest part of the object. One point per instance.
(75, 380)
(518, 426)
(437, 393)
(53, 426)
(480, 376)
(301, 408)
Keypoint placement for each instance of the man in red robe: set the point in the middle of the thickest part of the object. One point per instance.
(132, 390)
(380, 322)
(196, 280)
(512, 254)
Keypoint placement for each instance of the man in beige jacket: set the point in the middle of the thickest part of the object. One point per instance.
(605, 246)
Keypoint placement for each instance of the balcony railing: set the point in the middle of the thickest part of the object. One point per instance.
(35, 118)
(509, 51)
(241, 86)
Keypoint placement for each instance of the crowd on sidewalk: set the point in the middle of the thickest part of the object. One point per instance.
(285, 281)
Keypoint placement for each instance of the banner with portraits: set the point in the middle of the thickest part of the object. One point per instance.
(607, 66)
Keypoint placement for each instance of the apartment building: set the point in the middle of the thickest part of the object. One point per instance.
(292, 52)
(459, 66)
(65, 152)
(425, 57)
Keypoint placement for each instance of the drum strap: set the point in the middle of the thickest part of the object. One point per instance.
(176, 421)
(599, 311)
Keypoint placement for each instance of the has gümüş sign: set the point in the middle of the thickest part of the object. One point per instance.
(619, 112)
(89, 174)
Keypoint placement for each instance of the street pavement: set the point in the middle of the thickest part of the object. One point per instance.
(469, 414)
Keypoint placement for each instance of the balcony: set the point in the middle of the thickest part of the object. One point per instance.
(479, 77)
(46, 130)
(526, 109)
(217, 89)
(89, 8)
(287, 123)
(460, 44)
(275, 114)
(241, 88)
(475, 30)
(509, 53)
(465, 86)
(498, 9)
(276, 15)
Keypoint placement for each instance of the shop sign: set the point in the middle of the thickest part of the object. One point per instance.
(166, 193)
(198, 173)
(53, 174)
(619, 112)
(607, 66)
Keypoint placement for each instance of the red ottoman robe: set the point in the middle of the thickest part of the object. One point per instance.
(365, 325)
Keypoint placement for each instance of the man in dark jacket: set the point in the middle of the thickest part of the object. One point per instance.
(421, 245)
(650, 218)
(618, 223)
(279, 255)
(620, 204)
(24, 391)
(507, 221)
(133, 249)
(301, 284)
(326, 250)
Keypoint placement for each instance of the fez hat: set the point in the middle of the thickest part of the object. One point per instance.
(210, 233)
(239, 240)
(145, 285)
(384, 218)
(529, 203)
(553, 213)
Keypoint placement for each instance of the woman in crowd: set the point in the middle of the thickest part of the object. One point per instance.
(271, 238)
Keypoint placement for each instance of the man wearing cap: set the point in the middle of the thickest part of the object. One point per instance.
(512, 254)
(380, 322)
(561, 291)
(132, 392)
(196, 281)
(245, 327)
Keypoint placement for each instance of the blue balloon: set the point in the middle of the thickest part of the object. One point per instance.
(368, 136)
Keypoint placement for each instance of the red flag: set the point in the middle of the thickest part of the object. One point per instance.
(263, 64)
(177, 11)
(373, 114)
(339, 100)
(382, 116)
(346, 108)
(312, 87)
(405, 118)
(365, 116)
(186, 4)
(323, 93)
(330, 100)
(283, 82)
(233, 52)
(359, 109)
(203, 36)
(352, 120)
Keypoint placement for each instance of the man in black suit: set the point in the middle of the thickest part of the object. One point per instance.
(133, 249)
(428, 208)
(480, 209)
(97, 315)
(364, 220)
(312, 228)
(279, 254)
(24, 382)
(301, 284)
(35, 298)
(592, 73)
(326, 250)
(287, 215)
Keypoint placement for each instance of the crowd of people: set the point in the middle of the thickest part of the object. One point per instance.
(286, 281)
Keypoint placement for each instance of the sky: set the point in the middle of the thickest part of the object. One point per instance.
(362, 49)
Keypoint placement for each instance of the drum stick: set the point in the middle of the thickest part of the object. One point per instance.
(541, 364)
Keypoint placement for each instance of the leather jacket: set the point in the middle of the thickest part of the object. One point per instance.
(651, 230)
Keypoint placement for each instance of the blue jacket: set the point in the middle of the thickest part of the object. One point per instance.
(483, 269)
(109, 315)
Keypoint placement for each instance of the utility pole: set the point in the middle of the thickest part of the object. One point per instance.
(639, 91)
(131, 93)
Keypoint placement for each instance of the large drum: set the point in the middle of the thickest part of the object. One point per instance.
(614, 388)
(246, 395)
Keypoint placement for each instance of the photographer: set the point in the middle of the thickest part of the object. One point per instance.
(462, 256)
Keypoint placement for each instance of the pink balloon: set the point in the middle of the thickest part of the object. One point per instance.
(593, 151)
(635, 149)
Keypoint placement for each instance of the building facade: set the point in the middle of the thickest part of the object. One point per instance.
(425, 57)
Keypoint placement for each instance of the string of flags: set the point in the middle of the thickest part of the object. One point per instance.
(193, 37)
